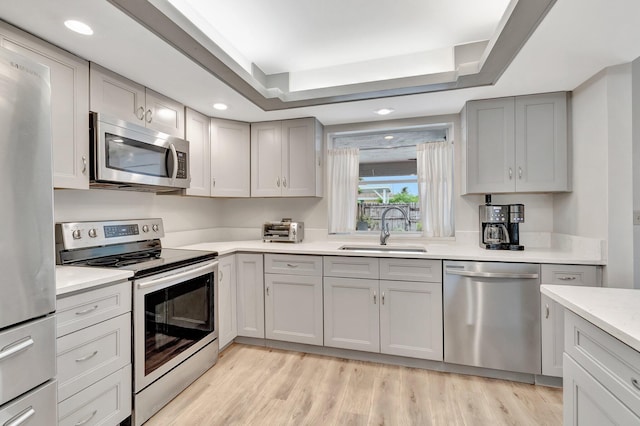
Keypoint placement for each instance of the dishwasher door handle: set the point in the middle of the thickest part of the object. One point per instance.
(464, 273)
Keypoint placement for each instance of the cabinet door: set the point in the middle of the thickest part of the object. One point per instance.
(351, 314)
(69, 105)
(197, 133)
(299, 157)
(490, 146)
(227, 321)
(266, 159)
(250, 295)
(293, 308)
(541, 142)
(587, 402)
(164, 114)
(552, 329)
(230, 158)
(116, 96)
(411, 319)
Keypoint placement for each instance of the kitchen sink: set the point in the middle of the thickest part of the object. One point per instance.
(384, 249)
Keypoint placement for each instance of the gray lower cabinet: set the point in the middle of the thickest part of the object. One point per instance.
(400, 316)
(293, 298)
(552, 313)
(601, 377)
(94, 356)
(227, 317)
(250, 294)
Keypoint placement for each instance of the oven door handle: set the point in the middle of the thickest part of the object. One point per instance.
(180, 276)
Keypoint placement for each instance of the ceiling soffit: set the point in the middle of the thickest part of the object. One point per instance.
(162, 19)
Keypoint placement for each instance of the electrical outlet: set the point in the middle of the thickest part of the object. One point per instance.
(636, 217)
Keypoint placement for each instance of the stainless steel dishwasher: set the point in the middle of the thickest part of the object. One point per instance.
(492, 315)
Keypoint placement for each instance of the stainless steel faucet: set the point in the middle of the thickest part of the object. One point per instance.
(384, 226)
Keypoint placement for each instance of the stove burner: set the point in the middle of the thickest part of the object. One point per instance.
(105, 261)
(140, 255)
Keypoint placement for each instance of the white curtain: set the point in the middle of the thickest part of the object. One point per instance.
(435, 188)
(343, 168)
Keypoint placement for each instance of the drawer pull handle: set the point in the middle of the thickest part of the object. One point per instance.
(85, 421)
(21, 417)
(635, 383)
(292, 265)
(86, 357)
(16, 347)
(86, 311)
(566, 278)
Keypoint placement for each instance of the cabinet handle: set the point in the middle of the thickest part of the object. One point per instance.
(86, 357)
(148, 116)
(510, 173)
(382, 298)
(21, 417)
(84, 164)
(635, 384)
(140, 113)
(278, 181)
(214, 182)
(85, 421)
(375, 297)
(292, 265)
(267, 290)
(566, 278)
(519, 172)
(546, 310)
(284, 181)
(220, 272)
(86, 311)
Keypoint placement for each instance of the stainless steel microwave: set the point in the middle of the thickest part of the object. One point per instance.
(131, 157)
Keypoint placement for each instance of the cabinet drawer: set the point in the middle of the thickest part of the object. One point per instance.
(351, 267)
(28, 357)
(293, 264)
(611, 362)
(81, 310)
(37, 407)
(105, 402)
(411, 270)
(92, 353)
(586, 275)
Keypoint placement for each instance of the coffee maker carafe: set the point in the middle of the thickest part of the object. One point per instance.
(494, 234)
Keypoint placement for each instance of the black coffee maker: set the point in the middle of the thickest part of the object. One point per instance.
(499, 225)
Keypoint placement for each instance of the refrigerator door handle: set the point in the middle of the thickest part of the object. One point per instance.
(16, 347)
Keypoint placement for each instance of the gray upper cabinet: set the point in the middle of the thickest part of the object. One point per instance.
(517, 144)
(197, 133)
(285, 158)
(69, 105)
(121, 98)
(230, 158)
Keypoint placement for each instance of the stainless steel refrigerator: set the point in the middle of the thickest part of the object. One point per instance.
(27, 263)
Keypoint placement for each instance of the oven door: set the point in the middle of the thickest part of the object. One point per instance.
(175, 315)
(131, 154)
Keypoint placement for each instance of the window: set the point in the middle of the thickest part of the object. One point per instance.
(388, 175)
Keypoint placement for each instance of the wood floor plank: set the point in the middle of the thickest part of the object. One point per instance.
(253, 385)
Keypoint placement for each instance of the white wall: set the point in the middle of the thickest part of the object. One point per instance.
(602, 199)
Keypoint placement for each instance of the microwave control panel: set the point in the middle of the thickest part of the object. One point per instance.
(182, 165)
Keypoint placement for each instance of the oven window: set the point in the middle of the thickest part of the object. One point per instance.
(176, 318)
(135, 157)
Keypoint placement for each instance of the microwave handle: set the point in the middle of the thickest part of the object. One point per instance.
(174, 154)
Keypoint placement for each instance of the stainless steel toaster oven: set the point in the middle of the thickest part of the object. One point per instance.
(285, 231)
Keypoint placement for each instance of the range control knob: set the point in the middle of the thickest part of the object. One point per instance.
(145, 228)
(155, 227)
(93, 233)
(76, 234)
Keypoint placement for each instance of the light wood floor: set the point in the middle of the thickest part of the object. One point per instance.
(260, 386)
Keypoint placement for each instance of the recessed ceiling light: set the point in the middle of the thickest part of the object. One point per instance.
(220, 106)
(388, 137)
(79, 27)
(384, 111)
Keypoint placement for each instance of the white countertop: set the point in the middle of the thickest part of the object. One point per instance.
(614, 310)
(75, 278)
(434, 251)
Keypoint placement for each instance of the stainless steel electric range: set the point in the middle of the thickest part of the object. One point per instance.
(175, 302)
